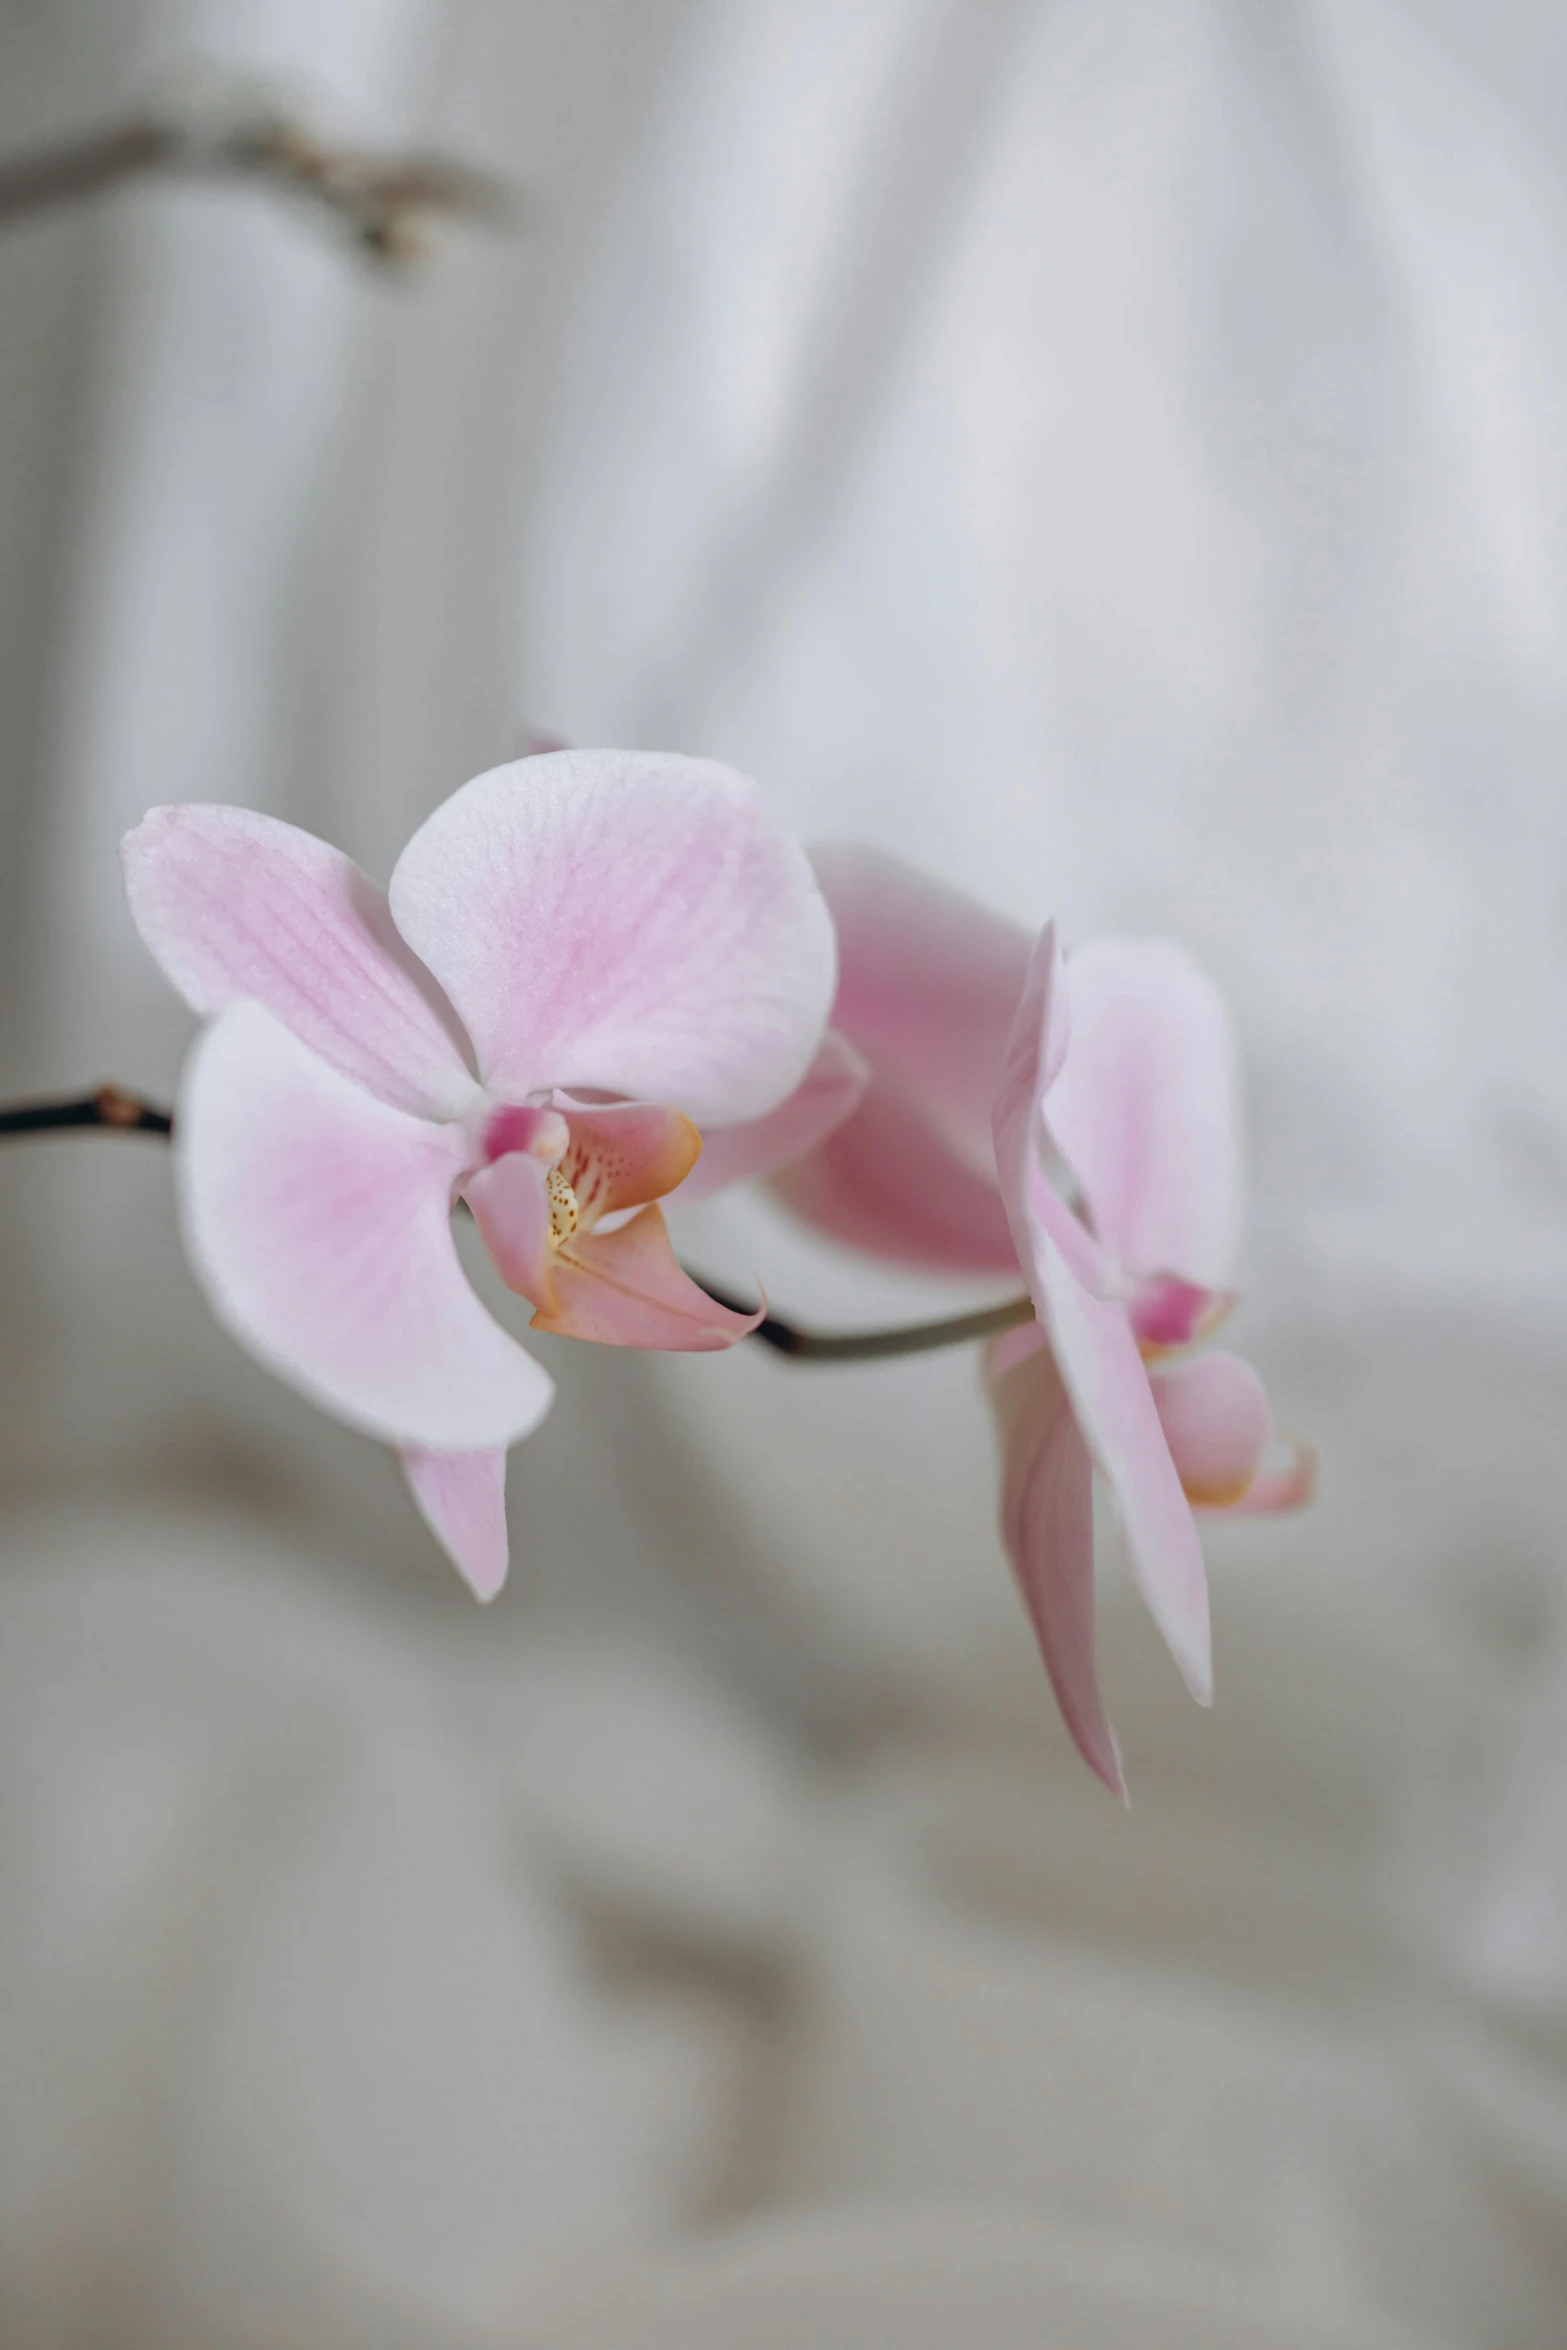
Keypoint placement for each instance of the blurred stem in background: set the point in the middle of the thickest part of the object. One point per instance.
(387, 202)
(111, 1109)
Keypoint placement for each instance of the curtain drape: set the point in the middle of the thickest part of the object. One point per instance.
(1107, 451)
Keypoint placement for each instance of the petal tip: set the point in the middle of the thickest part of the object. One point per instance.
(1106, 1767)
(461, 1497)
(1191, 1645)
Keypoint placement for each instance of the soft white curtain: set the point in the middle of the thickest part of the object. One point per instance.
(1106, 450)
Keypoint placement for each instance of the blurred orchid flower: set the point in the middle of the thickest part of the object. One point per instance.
(1079, 1118)
(584, 962)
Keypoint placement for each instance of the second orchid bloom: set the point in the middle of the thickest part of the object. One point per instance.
(1078, 1120)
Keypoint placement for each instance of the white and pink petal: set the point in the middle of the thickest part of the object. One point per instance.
(318, 1221)
(1145, 1108)
(235, 905)
(623, 923)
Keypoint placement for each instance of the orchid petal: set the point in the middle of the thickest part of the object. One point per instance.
(318, 1220)
(1037, 1045)
(1216, 1422)
(927, 985)
(887, 1182)
(613, 922)
(1047, 1524)
(829, 1092)
(1146, 1108)
(462, 1499)
(1096, 1350)
(626, 1288)
(237, 905)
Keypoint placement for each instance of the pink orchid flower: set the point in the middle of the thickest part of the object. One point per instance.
(584, 963)
(1078, 1118)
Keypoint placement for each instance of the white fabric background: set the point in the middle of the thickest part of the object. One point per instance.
(1109, 451)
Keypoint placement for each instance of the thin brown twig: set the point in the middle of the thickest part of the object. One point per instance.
(108, 1107)
(385, 200)
(111, 1109)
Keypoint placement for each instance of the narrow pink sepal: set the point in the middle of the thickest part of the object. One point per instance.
(462, 1499)
(1046, 1216)
(1216, 1422)
(1037, 1046)
(511, 1208)
(826, 1096)
(1146, 1108)
(1096, 1351)
(625, 923)
(318, 1221)
(1047, 1525)
(627, 1288)
(236, 905)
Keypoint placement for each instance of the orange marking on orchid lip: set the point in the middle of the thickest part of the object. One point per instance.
(1159, 1350)
(1218, 1497)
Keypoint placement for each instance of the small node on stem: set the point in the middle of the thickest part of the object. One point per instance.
(118, 1108)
